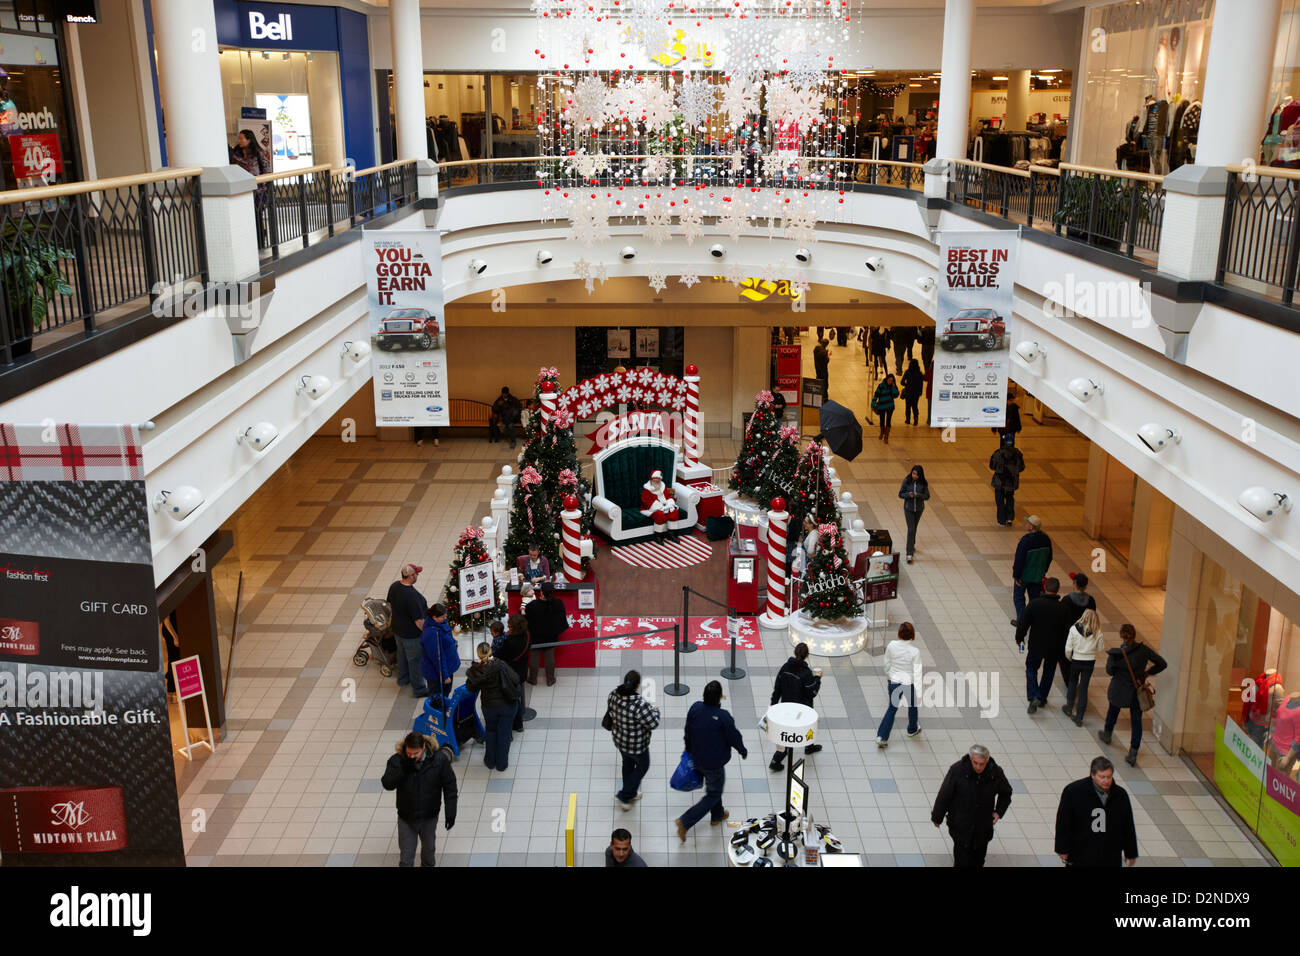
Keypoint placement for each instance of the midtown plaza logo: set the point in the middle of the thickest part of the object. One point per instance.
(69, 814)
(20, 638)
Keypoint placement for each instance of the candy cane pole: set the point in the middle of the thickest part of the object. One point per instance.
(571, 539)
(548, 397)
(777, 519)
(691, 420)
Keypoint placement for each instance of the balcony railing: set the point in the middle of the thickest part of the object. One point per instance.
(1260, 244)
(77, 254)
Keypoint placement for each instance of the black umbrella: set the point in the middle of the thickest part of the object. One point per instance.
(841, 429)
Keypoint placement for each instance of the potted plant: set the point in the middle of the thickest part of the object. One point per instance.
(1113, 198)
(30, 261)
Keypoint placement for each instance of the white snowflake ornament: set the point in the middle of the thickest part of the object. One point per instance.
(657, 279)
(688, 279)
(690, 220)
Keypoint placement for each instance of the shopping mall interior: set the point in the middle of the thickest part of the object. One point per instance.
(269, 270)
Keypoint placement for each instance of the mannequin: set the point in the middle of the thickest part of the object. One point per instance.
(1268, 696)
(1286, 733)
(1155, 127)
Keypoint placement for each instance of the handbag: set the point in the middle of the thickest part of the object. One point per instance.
(607, 722)
(511, 686)
(1146, 693)
(686, 778)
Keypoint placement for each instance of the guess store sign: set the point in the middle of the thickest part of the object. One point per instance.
(35, 155)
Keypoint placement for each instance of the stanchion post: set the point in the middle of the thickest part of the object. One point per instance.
(677, 688)
(733, 672)
(687, 646)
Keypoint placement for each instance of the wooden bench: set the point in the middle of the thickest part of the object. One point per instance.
(467, 413)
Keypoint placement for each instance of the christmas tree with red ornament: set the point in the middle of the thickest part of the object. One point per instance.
(470, 549)
(828, 585)
(811, 493)
(762, 440)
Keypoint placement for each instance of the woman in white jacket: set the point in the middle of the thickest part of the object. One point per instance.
(1081, 649)
(903, 677)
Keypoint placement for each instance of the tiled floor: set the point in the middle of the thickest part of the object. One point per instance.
(296, 782)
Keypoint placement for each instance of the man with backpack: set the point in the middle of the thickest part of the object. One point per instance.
(796, 683)
(1006, 463)
(631, 719)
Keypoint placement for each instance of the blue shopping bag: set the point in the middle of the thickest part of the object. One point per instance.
(686, 778)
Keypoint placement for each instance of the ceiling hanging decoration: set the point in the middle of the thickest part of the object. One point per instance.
(654, 109)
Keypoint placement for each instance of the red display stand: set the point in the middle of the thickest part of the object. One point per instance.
(742, 575)
(710, 504)
(582, 620)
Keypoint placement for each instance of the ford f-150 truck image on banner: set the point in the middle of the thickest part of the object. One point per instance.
(409, 328)
(973, 328)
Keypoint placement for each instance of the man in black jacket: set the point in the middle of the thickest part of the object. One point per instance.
(424, 781)
(1094, 822)
(547, 620)
(1006, 463)
(795, 684)
(1047, 619)
(409, 611)
(974, 797)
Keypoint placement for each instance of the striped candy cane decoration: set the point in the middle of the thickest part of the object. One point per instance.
(548, 397)
(691, 420)
(777, 520)
(571, 539)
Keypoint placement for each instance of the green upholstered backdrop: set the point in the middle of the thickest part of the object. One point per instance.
(626, 470)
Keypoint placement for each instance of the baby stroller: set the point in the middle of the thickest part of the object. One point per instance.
(379, 636)
(453, 722)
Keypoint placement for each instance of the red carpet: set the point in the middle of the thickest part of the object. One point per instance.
(710, 633)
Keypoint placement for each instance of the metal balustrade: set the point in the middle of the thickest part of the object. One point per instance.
(1260, 242)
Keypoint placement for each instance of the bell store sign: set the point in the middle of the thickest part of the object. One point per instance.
(657, 424)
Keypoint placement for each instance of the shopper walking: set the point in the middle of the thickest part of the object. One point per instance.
(1006, 463)
(974, 796)
(902, 678)
(1082, 646)
(409, 611)
(1129, 667)
(1094, 820)
(1012, 427)
(882, 403)
(631, 720)
(913, 383)
(620, 852)
(499, 692)
(796, 683)
(915, 492)
(425, 782)
(1033, 558)
(547, 621)
(879, 340)
(822, 364)
(514, 652)
(711, 736)
(439, 655)
(926, 337)
(903, 338)
(1079, 598)
(1047, 621)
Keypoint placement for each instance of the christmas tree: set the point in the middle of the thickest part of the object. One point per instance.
(470, 549)
(811, 492)
(828, 589)
(548, 473)
(757, 450)
(778, 476)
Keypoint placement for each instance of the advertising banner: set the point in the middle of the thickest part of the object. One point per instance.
(1238, 769)
(789, 363)
(972, 357)
(86, 771)
(619, 343)
(254, 118)
(478, 590)
(407, 332)
(35, 154)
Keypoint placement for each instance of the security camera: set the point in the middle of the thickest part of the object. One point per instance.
(1157, 437)
(925, 284)
(258, 437)
(875, 264)
(628, 253)
(717, 250)
(357, 351)
(803, 255)
(1030, 351)
(544, 257)
(180, 504)
(1085, 388)
(315, 386)
(1262, 503)
(477, 266)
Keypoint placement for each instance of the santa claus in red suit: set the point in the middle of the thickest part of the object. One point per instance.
(657, 502)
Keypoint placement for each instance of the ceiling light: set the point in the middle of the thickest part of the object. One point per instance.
(1158, 437)
(181, 503)
(314, 385)
(1262, 503)
(1001, 77)
(356, 350)
(1085, 388)
(258, 437)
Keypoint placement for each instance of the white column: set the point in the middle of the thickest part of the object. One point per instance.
(408, 79)
(954, 87)
(501, 514)
(189, 80)
(1234, 108)
(1017, 99)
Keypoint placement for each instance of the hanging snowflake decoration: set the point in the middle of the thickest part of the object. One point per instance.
(778, 161)
(770, 273)
(688, 279)
(696, 100)
(740, 100)
(799, 224)
(589, 165)
(657, 225)
(581, 268)
(792, 106)
(737, 161)
(654, 105)
(799, 284)
(657, 279)
(734, 220)
(588, 104)
(588, 220)
(736, 275)
(601, 273)
(690, 220)
(656, 167)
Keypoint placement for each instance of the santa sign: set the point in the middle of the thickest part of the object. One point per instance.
(666, 425)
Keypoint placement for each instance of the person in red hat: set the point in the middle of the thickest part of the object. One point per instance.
(409, 611)
(657, 502)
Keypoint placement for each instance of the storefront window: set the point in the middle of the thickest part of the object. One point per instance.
(34, 125)
(1281, 145)
(1243, 707)
(602, 349)
(291, 101)
(1143, 80)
